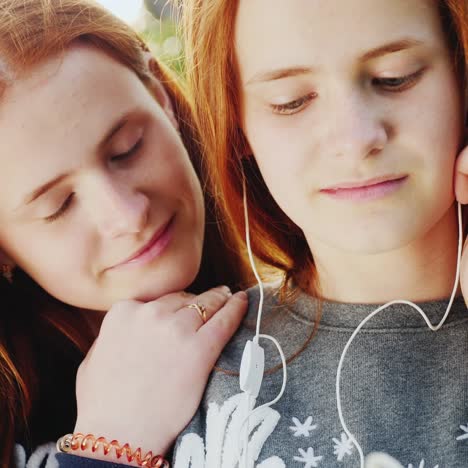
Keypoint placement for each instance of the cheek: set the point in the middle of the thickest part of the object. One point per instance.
(173, 172)
(435, 137)
(435, 119)
(283, 152)
(47, 259)
(176, 181)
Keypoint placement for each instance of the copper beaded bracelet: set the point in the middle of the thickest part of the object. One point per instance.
(78, 441)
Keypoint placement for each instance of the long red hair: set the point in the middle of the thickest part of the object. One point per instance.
(42, 341)
(212, 77)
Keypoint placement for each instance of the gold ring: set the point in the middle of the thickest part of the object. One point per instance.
(200, 308)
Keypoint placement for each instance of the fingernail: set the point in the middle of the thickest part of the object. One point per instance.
(241, 295)
(227, 290)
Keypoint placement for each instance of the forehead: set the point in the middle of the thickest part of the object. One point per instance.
(82, 82)
(61, 108)
(324, 31)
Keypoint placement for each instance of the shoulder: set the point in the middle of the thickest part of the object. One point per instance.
(270, 293)
(278, 319)
(232, 353)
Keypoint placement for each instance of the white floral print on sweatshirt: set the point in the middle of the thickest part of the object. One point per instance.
(223, 426)
(43, 453)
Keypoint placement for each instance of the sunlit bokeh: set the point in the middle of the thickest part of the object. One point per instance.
(155, 22)
(127, 10)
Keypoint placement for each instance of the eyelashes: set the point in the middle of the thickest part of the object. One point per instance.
(396, 84)
(65, 205)
(128, 154)
(292, 107)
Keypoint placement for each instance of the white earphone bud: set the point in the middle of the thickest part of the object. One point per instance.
(253, 358)
(252, 367)
(380, 309)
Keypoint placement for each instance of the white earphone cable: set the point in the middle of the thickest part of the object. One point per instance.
(245, 432)
(375, 312)
(348, 344)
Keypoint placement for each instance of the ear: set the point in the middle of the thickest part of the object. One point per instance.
(161, 95)
(461, 177)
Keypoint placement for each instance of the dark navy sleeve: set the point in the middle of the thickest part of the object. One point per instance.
(72, 461)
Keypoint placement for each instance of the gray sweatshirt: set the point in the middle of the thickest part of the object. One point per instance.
(404, 390)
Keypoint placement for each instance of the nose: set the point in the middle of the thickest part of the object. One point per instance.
(118, 209)
(357, 130)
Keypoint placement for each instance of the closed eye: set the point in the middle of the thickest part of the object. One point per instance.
(293, 107)
(61, 211)
(398, 84)
(128, 154)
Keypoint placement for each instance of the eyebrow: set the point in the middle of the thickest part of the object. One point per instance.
(391, 48)
(288, 72)
(38, 192)
(278, 74)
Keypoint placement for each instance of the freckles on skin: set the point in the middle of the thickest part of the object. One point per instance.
(262, 126)
(56, 122)
(298, 153)
(51, 132)
(72, 104)
(312, 32)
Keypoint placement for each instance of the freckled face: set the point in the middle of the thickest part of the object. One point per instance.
(123, 216)
(353, 113)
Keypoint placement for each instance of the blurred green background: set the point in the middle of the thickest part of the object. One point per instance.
(155, 21)
(159, 29)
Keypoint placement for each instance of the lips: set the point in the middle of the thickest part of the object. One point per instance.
(363, 184)
(368, 190)
(159, 237)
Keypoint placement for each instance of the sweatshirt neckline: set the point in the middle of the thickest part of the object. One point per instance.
(350, 315)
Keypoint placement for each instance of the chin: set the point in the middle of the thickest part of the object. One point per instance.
(372, 243)
(155, 289)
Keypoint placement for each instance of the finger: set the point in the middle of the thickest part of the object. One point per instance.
(170, 303)
(219, 330)
(210, 302)
(118, 314)
(461, 177)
